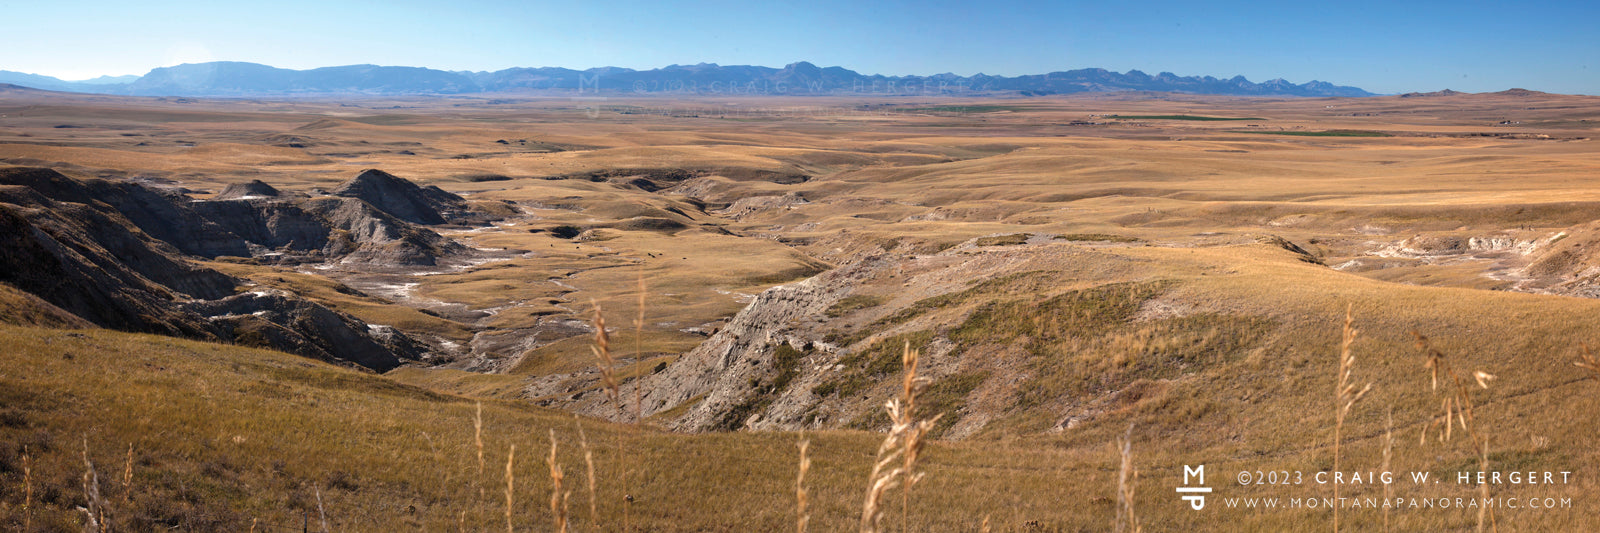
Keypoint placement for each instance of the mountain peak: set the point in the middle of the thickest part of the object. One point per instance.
(241, 79)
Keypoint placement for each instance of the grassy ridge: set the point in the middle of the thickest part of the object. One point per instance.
(224, 435)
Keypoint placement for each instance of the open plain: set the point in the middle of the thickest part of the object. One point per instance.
(1168, 268)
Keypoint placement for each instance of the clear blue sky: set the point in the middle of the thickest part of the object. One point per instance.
(1379, 46)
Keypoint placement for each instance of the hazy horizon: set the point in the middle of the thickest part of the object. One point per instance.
(106, 79)
(1378, 47)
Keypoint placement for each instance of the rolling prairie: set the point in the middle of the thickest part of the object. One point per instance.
(1070, 267)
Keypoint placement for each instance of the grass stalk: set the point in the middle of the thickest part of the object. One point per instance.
(1388, 456)
(638, 351)
(635, 468)
(558, 498)
(1457, 410)
(1126, 519)
(1588, 362)
(95, 505)
(1345, 396)
(322, 515)
(1483, 490)
(27, 490)
(602, 351)
(477, 439)
(901, 445)
(908, 386)
(127, 476)
(608, 381)
(511, 455)
(802, 519)
(588, 460)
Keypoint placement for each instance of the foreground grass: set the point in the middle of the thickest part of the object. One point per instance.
(223, 436)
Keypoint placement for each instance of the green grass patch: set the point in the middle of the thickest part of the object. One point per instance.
(1004, 240)
(1087, 341)
(1096, 237)
(853, 302)
(1030, 282)
(869, 366)
(948, 396)
(1057, 318)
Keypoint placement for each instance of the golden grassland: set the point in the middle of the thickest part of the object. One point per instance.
(223, 434)
(1245, 378)
(882, 173)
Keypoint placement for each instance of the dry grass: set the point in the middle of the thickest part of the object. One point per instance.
(27, 490)
(127, 477)
(1587, 361)
(558, 494)
(1345, 396)
(1457, 409)
(999, 174)
(801, 518)
(903, 445)
(1388, 456)
(588, 461)
(477, 440)
(610, 384)
(956, 496)
(322, 515)
(918, 183)
(602, 353)
(511, 455)
(95, 507)
(638, 346)
(1126, 519)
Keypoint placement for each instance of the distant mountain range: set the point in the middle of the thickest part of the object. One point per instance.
(235, 79)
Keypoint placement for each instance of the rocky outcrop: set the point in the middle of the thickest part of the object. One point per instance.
(277, 320)
(402, 199)
(1286, 245)
(825, 352)
(720, 370)
(248, 191)
(80, 247)
(164, 215)
(268, 226)
(257, 220)
(744, 208)
(366, 235)
(92, 266)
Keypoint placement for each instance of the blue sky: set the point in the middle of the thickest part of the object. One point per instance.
(1379, 46)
